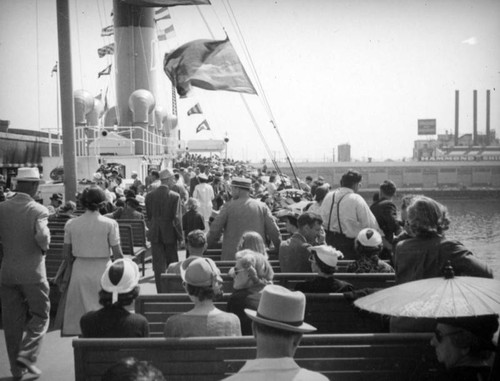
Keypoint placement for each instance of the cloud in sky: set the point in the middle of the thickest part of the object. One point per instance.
(470, 41)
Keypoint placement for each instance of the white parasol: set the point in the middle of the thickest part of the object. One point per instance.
(436, 298)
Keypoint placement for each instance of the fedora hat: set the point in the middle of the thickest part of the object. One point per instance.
(166, 174)
(281, 308)
(241, 182)
(28, 174)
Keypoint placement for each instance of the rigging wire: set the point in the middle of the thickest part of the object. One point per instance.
(255, 123)
(37, 65)
(78, 44)
(262, 93)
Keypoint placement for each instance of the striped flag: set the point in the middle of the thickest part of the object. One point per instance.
(54, 70)
(105, 71)
(167, 33)
(162, 14)
(196, 109)
(203, 126)
(107, 31)
(108, 49)
(207, 64)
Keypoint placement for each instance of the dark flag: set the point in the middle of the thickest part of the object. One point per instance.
(54, 70)
(107, 31)
(203, 126)
(196, 109)
(108, 49)
(208, 64)
(165, 3)
(104, 71)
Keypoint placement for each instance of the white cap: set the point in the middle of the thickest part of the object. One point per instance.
(369, 238)
(327, 254)
(120, 277)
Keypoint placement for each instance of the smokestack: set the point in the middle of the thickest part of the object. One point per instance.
(474, 127)
(456, 116)
(487, 117)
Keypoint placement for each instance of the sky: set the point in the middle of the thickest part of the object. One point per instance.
(331, 71)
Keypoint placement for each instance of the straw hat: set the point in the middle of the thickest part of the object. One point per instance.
(120, 277)
(166, 174)
(241, 182)
(281, 308)
(28, 174)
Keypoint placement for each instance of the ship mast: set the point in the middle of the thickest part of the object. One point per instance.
(67, 105)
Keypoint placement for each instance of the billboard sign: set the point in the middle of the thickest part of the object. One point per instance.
(427, 126)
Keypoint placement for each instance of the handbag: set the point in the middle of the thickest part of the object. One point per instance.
(61, 280)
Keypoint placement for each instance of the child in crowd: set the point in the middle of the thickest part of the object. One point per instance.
(368, 245)
(324, 260)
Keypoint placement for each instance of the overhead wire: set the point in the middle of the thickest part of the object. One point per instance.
(263, 97)
(254, 121)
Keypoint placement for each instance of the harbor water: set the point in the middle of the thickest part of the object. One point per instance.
(476, 224)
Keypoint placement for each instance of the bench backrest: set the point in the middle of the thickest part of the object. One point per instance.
(173, 282)
(138, 230)
(364, 357)
(224, 266)
(329, 313)
(126, 239)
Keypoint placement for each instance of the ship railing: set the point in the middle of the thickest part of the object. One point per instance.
(142, 141)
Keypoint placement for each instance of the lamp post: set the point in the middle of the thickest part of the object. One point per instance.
(226, 140)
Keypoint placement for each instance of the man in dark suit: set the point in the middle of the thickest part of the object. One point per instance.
(294, 252)
(386, 213)
(163, 216)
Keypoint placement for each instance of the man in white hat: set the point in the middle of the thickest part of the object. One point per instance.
(278, 326)
(24, 288)
(163, 219)
(240, 215)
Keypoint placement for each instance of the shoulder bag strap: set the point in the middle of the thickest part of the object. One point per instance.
(331, 209)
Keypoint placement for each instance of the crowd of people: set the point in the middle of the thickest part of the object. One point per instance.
(231, 206)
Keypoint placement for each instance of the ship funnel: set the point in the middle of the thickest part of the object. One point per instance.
(142, 103)
(169, 123)
(110, 118)
(84, 103)
(96, 113)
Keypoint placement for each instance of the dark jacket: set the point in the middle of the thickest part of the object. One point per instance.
(163, 216)
(386, 213)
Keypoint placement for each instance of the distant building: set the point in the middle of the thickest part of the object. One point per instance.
(344, 152)
(444, 148)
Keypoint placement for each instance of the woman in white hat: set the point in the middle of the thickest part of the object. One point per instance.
(89, 242)
(368, 245)
(202, 282)
(204, 193)
(324, 260)
(120, 287)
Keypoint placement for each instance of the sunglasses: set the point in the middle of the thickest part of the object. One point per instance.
(233, 271)
(440, 336)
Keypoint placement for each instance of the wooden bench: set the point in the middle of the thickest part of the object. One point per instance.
(329, 313)
(173, 282)
(136, 253)
(139, 238)
(215, 254)
(225, 266)
(359, 357)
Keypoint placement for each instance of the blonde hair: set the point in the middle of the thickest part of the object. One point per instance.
(192, 204)
(249, 258)
(253, 241)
